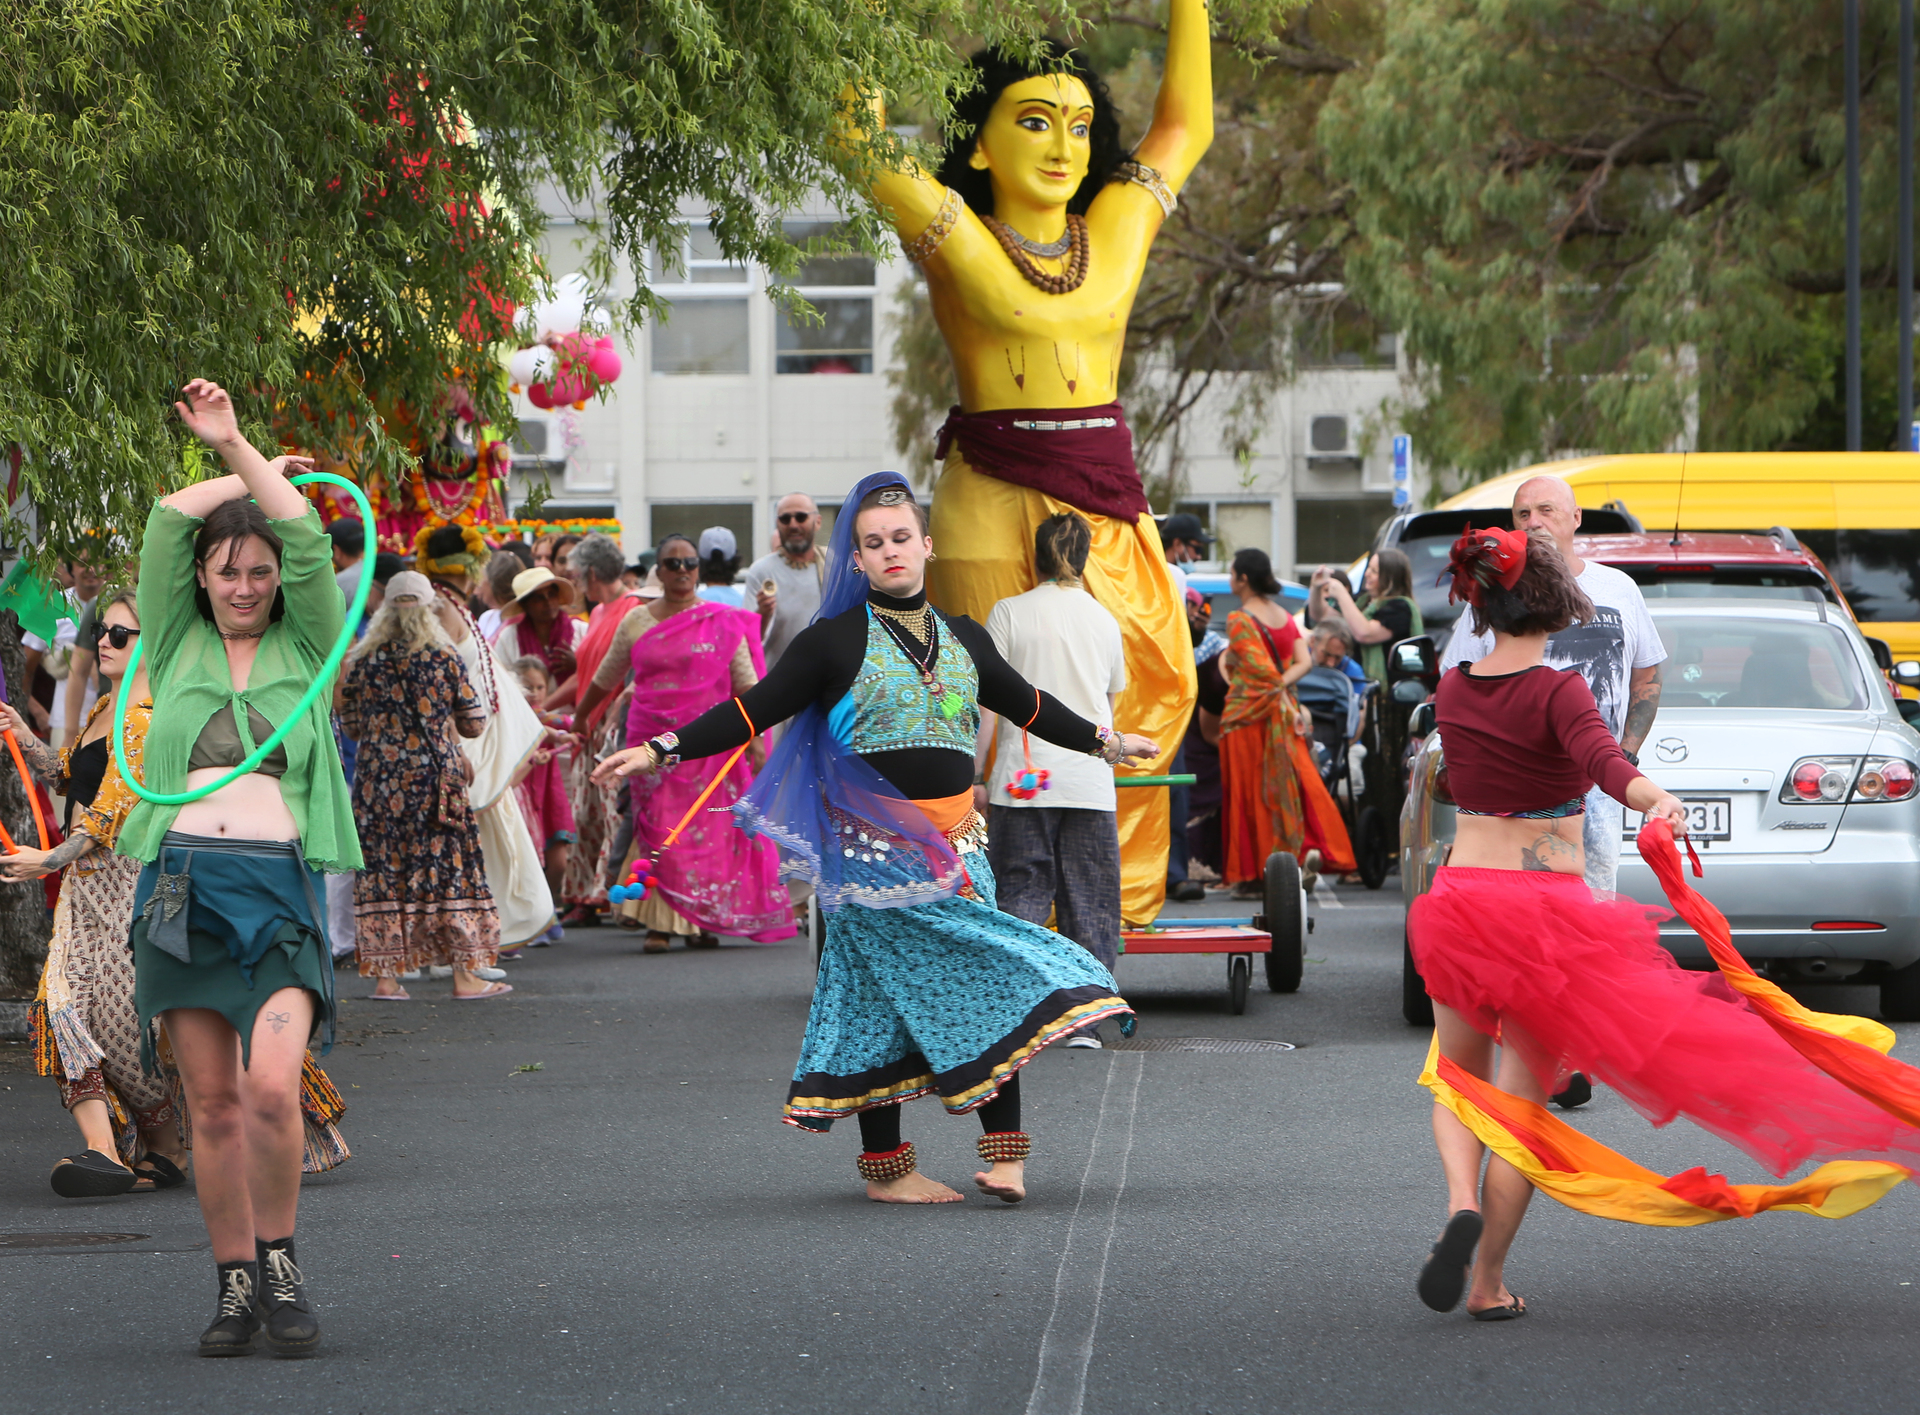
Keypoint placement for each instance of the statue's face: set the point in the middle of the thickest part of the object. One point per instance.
(1036, 143)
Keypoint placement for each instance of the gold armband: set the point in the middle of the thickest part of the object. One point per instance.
(921, 248)
(1142, 175)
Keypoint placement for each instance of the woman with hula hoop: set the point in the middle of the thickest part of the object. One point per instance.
(240, 619)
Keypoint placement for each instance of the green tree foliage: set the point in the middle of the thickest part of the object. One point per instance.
(324, 203)
(1616, 224)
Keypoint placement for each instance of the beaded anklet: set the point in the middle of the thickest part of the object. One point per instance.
(879, 1167)
(1004, 1145)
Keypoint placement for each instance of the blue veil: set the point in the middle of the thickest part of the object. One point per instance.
(837, 822)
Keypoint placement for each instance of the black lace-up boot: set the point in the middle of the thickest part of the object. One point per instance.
(291, 1326)
(234, 1324)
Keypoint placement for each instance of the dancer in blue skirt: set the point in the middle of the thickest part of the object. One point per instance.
(924, 986)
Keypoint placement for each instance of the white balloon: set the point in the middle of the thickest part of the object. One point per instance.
(530, 365)
(597, 320)
(562, 316)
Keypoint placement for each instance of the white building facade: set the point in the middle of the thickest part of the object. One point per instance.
(728, 406)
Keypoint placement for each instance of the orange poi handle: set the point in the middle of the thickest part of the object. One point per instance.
(718, 777)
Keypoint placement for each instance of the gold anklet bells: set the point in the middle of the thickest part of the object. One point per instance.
(887, 1164)
(1004, 1145)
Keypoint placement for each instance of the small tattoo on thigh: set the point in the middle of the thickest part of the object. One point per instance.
(278, 1021)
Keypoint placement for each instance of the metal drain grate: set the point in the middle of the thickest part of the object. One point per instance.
(1238, 1046)
(68, 1240)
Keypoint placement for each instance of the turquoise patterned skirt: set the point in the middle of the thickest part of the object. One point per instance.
(948, 998)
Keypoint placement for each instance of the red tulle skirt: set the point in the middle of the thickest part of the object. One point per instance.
(1576, 982)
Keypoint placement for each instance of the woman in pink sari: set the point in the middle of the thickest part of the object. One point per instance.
(687, 655)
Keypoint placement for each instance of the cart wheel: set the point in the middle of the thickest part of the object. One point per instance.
(1371, 848)
(1239, 978)
(1286, 922)
(1415, 1005)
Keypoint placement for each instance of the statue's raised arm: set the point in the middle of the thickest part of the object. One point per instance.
(1033, 235)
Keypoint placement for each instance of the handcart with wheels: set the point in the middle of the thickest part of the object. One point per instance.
(1278, 933)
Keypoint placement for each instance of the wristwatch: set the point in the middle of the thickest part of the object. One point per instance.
(1633, 757)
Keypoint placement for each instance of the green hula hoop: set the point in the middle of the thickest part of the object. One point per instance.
(319, 685)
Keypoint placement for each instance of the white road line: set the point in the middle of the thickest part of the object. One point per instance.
(1066, 1346)
(1323, 895)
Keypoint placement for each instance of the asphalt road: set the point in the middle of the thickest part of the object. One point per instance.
(629, 1228)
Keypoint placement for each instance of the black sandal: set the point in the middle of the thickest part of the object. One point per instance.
(159, 1171)
(1444, 1277)
(1515, 1308)
(91, 1175)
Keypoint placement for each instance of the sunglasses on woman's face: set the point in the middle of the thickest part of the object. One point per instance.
(678, 562)
(119, 635)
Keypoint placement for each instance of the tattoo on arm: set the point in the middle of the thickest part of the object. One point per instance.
(1643, 701)
(40, 758)
(67, 851)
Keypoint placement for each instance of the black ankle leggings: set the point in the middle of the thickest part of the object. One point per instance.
(880, 1128)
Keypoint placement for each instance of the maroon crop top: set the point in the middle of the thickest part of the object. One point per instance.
(1525, 741)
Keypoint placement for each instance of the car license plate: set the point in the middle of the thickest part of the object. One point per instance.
(1708, 818)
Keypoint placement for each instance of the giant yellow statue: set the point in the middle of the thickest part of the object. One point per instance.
(1033, 236)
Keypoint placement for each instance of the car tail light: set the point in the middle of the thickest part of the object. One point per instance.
(1885, 779)
(1820, 781)
(1827, 781)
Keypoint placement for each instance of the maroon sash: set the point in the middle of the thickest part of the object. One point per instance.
(1090, 468)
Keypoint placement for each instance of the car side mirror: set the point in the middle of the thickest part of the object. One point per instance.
(1882, 654)
(1413, 658)
(1907, 673)
(1423, 720)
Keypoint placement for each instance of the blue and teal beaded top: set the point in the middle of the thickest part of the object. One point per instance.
(890, 708)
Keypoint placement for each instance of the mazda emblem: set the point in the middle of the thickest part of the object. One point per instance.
(1670, 749)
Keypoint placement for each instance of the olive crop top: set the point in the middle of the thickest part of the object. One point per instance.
(219, 746)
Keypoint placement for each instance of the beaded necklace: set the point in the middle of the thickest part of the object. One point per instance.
(1016, 247)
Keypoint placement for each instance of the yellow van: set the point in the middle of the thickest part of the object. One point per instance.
(1858, 511)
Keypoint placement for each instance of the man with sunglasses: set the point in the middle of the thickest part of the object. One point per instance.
(797, 569)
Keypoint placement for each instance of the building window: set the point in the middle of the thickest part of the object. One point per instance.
(840, 289)
(1334, 530)
(705, 329)
(701, 336)
(689, 518)
(1235, 525)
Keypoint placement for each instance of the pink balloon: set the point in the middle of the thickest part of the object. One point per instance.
(540, 395)
(603, 361)
(569, 385)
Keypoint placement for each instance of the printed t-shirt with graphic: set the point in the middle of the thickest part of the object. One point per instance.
(1605, 650)
(1058, 638)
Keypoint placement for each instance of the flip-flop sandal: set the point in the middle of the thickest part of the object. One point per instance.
(1515, 1308)
(91, 1175)
(491, 990)
(159, 1172)
(1444, 1277)
(400, 996)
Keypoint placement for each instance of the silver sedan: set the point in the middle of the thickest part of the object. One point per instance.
(1803, 787)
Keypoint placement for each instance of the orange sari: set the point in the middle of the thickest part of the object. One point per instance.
(1274, 798)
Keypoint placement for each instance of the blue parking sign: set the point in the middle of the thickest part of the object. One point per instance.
(1402, 469)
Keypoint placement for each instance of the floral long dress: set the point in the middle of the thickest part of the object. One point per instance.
(422, 897)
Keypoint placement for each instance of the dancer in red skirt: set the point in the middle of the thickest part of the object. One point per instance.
(1516, 949)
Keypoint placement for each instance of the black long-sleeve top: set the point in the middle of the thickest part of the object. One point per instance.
(823, 660)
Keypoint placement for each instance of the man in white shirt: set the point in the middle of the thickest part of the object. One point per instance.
(1058, 851)
(798, 571)
(1618, 652)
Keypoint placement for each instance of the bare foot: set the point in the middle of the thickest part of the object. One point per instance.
(1006, 1181)
(389, 987)
(914, 1188)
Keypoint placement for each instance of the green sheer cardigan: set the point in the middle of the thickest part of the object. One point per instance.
(186, 663)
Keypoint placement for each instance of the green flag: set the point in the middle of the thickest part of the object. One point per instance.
(39, 605)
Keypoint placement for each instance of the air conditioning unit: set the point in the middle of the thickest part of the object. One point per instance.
(1330, 437)
(536, 446)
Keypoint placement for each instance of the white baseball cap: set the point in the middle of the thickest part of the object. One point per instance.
(718, 538)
